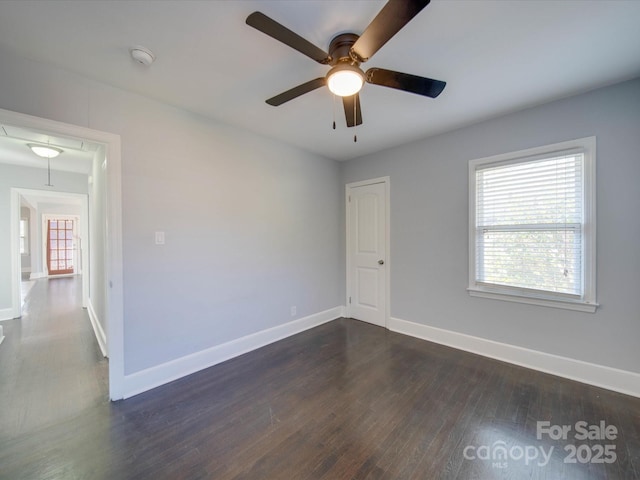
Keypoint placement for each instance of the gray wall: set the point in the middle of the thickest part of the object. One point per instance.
(429, 228)
(252, 225)
(32, 178)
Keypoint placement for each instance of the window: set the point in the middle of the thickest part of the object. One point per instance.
(532, 226)
(24, 236)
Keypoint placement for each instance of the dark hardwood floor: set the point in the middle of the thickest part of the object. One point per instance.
(346, 400)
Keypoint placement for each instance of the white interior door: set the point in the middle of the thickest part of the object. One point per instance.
(366, 255)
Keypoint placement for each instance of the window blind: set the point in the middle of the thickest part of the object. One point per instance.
(529, 224)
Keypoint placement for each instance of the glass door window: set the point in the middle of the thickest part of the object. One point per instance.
(60, 247)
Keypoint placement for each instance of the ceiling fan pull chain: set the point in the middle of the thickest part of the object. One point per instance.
(334, 111)
(355, 117)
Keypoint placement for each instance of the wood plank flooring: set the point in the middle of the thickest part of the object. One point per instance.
(345, 400)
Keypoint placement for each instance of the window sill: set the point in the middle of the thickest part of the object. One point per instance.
(576, 305)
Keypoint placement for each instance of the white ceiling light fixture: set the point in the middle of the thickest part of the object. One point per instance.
(345, 80)
(48, 152)
(45, 151)
(142, 55)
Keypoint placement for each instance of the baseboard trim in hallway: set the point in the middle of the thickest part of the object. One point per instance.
(7, 314)
(149, 378)
(97, 329)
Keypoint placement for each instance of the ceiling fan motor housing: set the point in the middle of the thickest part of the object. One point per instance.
(340, 49)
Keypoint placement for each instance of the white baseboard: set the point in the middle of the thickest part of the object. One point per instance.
(97, 329)
(1, 334)
(622, 381)
(37, 275)
(149, 378)
(7, 314)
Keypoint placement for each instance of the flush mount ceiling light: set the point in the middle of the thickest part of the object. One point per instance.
(345, 80)
(45, 151)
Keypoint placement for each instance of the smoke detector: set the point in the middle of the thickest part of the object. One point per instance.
(142, 55)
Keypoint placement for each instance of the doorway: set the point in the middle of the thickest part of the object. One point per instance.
(368, 258)
(41, 206)
(108, 266)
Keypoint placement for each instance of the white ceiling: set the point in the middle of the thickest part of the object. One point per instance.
(496, 57)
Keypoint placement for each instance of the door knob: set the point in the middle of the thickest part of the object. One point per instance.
(380, 262)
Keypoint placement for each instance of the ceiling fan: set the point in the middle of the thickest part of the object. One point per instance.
(347, 52)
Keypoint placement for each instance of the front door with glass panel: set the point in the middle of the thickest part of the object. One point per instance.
(60, 247)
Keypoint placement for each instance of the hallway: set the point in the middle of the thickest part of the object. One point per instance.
(51, 368)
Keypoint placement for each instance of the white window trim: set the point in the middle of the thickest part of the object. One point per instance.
(587, 303)
(26, 236)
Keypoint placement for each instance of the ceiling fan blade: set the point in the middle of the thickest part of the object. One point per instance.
(405, 81)
(389, 21)
(353, 115)
(296, 91)
(266, 25)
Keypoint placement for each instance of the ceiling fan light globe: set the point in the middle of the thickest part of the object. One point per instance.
(345, 80)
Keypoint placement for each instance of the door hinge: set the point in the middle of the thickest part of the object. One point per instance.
(349, 198)
(349, 300)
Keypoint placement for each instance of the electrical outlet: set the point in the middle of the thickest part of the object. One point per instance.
(294, 311)
(159, 238)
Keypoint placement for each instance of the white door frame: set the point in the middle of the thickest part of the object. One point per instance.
(113, 263)
(387, 193)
